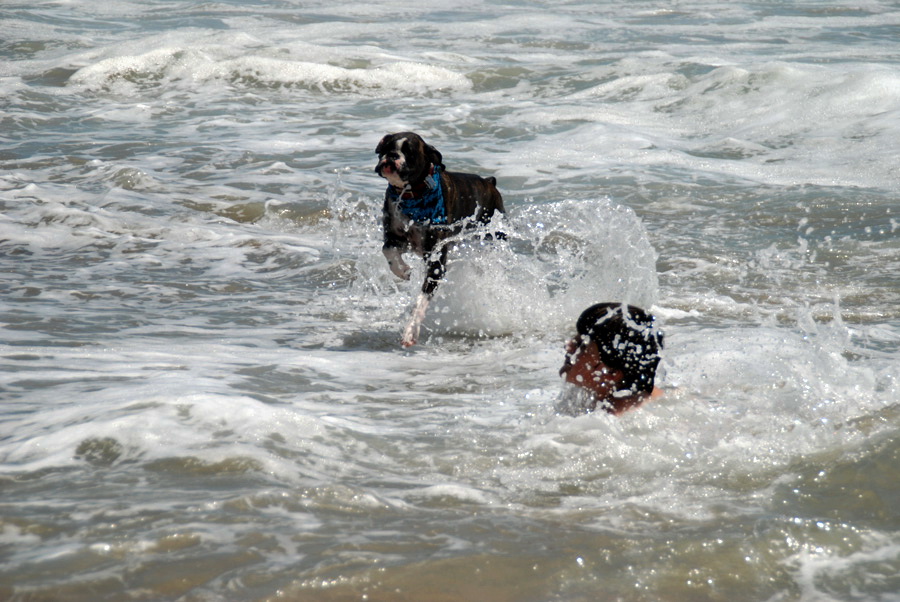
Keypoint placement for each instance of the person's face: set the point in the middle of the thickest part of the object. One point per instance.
(584, 368)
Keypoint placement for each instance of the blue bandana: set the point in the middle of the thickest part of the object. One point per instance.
(428, 208)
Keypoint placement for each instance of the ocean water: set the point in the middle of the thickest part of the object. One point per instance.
(202, 392)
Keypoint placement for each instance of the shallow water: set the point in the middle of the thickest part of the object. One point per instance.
(203, 394)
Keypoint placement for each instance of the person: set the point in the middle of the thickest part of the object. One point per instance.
(611, 363)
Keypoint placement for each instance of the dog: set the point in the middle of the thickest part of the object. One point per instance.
(424, 206)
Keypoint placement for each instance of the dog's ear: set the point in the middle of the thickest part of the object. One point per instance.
(379, 150)
(434, 156)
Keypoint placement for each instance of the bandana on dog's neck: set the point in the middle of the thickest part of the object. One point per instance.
(426, 207)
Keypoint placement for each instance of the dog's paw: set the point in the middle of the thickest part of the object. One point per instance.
(395, 261)
(409, 336)
(400, 269)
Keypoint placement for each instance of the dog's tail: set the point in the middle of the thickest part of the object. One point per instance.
(494, 204)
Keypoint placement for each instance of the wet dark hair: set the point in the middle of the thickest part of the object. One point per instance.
(628, 340)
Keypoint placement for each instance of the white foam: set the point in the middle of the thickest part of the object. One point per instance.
(771, 122)
(206, 61)
(461, 494)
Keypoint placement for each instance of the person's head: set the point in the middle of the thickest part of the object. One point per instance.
(615, 353)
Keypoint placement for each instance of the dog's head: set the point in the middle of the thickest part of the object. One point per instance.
(405, 160)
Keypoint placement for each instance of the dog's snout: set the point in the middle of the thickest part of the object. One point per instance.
(383, 162)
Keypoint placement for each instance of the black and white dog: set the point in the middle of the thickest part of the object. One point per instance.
(423, 206)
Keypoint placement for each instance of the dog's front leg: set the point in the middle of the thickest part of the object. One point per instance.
(435, 270)
(411, 332)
